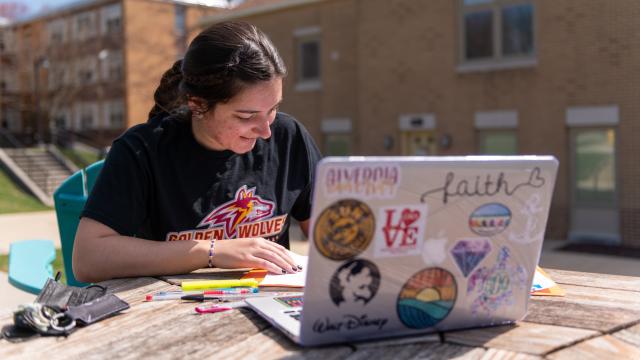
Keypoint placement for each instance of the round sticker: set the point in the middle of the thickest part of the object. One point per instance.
(344, 229)
(490, 219)
(426, 298)
(356, 281)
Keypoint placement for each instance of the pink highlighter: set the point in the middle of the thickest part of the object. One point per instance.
(219, 308)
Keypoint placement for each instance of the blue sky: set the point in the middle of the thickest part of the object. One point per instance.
(37, 5)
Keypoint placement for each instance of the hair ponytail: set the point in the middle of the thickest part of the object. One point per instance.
(168, 96)
(219, 63)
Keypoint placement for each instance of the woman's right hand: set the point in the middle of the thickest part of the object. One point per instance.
(253, 253)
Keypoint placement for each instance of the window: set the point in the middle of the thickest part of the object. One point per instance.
(115, 114)
(337, 136)
(308, 69)
(498, 142)
(496, 33)
(84, 26)
(595, 165)
(111, 19)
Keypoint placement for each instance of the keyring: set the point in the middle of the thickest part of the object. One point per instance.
(55, 322)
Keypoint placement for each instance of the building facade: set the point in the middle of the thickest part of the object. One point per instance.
(90, 69)
(445, 77)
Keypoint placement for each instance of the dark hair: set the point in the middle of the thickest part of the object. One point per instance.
(219, 62)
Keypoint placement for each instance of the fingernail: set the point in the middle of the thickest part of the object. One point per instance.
(284, 271)
(299, 267)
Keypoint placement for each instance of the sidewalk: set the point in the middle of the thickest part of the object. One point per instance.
(28, 226)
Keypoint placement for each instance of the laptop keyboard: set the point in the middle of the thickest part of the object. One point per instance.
(294, 303)
(295, 314)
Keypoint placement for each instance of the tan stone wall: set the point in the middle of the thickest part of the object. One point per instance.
(150, 49)
(398, 57)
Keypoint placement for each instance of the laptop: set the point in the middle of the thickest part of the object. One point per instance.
(411, 245)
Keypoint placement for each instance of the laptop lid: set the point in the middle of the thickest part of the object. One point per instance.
(406, 245)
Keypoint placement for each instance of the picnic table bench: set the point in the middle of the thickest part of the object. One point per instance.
(599, 318)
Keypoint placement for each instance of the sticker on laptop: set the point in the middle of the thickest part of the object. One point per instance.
(493, 287)
(468, 253)
(490, 219)
(290, 301)
(433, 251)
(365, 181)
(531, 232)
(426, 298)
(355, 282)
(400, 230)
(344, 229)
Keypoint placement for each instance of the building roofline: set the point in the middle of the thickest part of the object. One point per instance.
(254, 10)
(81, 4)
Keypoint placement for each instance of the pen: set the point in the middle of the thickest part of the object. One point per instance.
(203, 297)
(175, 295)
(213, 284)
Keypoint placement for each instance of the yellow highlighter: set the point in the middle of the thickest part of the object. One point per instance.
(214, 284)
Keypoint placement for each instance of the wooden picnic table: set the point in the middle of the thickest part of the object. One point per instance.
(599, 318)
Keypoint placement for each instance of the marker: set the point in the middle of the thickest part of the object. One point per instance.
(175, 295)
(213, 284)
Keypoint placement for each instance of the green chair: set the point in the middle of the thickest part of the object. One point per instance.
(69, 200)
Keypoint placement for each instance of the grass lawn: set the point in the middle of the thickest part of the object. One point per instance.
(13, 199)
(58, 264)
(82, 159)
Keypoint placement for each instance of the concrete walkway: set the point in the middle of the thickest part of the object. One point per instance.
(42, 225)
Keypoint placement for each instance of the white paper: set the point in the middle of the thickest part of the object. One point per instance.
(289, 280)
(541, 282)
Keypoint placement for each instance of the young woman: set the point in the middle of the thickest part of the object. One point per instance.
(214, 176)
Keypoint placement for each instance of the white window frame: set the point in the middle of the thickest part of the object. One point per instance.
(303, 36)
(497, 61)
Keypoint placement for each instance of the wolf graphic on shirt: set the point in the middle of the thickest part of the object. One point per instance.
(246, 215)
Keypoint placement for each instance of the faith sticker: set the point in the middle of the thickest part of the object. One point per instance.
(427, 298)
(400, 230)
(344, 229)
(468, 253)
(354, 282)
(493, 286)
(490, 219)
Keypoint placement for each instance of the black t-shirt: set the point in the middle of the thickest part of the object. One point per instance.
(159, 183)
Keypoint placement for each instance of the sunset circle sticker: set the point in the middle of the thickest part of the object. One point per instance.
(490, 219)
(426, 298)
(344, 229)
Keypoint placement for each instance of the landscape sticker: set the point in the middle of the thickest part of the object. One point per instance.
(426, 298)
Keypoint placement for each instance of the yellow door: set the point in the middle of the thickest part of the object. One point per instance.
(419, 143)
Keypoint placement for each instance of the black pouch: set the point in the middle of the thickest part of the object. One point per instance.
(97, 309)
(62, 296)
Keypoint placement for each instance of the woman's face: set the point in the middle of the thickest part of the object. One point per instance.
(237, 124)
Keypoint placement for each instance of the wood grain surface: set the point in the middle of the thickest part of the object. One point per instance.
(599, 318)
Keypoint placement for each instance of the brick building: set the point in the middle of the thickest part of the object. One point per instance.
(445, 77)
(91, 67)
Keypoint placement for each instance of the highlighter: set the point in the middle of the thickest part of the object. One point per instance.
(214, 284)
